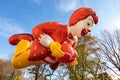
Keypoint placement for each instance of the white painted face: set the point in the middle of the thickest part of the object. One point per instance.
(82, 27)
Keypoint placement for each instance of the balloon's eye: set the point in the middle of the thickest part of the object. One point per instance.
(88, 24)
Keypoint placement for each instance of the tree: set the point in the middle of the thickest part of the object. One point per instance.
(40, 72)
(7, 72)
(110, 50)
(88, 62)
(104, 76)
(61, 73)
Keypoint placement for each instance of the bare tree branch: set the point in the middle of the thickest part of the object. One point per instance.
(110, 48)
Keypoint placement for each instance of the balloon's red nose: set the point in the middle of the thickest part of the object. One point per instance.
(85, 31)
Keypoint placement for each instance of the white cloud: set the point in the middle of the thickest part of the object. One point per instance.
(8, 28)
(67, 5)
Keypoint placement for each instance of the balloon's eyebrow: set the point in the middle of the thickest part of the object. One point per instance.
(91, 20)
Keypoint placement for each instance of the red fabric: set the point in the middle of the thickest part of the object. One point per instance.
(54, 59)
(69, 56)
(59, 33)
(38, 52)
(56, 30)
(82, 13)
(70, 53)
(54, 66)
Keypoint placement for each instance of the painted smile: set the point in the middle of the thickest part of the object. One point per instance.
(84, 32)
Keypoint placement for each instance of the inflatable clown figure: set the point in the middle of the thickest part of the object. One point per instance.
(51, 42)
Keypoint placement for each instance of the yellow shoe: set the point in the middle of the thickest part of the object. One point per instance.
(20, 57)
(74, 63)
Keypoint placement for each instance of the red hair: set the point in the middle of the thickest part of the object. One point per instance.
(82, 13)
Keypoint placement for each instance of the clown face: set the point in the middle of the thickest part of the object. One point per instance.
(82, 27)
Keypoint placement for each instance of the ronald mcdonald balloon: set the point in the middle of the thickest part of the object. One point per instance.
(51, 42)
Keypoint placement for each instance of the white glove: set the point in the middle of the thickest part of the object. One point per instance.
(45, 40)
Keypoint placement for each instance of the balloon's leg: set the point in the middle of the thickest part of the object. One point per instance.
(20, 56)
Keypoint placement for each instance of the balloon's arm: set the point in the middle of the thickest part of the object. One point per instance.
(43, 31)
(54, 46)
(70, 54)
(45, 28)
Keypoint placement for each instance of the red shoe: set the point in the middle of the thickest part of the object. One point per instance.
(14, 39)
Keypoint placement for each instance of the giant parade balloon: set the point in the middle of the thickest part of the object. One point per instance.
(53, 43)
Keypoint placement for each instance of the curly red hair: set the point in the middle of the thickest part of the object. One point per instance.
(82, 13)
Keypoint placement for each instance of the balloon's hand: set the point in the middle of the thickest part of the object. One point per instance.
(45, 40)
(55, 48)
